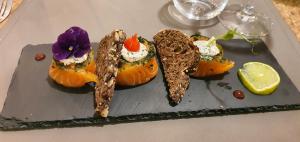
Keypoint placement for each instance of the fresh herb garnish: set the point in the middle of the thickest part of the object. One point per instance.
(230, 34)
(206, 57)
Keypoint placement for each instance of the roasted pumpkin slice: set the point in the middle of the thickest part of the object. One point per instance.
(211, 65)
(138, 72)
(73, 75)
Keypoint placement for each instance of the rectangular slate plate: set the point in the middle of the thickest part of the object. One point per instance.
(35, 101)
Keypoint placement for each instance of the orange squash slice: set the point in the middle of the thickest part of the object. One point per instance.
(210, 67)
(138, 72)
(213, 67)
(72, 75)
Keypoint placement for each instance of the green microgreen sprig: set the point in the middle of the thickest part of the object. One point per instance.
(230, 34)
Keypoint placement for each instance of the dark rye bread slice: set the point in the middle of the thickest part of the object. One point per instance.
(107, 59)
(179, 57)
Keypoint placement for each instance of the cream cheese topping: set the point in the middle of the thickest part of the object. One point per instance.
(205, 49)
(73, 59)
(134, 56)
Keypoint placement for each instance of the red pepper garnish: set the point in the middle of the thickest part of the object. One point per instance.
(132, 44)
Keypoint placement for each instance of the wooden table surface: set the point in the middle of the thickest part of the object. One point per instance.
(290, 11)
(40, 21)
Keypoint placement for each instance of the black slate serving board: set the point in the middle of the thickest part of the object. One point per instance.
(35, 101)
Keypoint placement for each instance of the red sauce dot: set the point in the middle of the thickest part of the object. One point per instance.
(39, 56)
(238, 94)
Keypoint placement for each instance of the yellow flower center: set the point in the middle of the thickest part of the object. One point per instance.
(70, 48)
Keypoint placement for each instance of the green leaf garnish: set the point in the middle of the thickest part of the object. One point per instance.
(211, 41)
(229, 35)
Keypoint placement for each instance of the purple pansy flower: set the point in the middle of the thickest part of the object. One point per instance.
(73, 42)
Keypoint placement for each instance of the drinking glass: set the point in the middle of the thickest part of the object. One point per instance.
(246, 20)
(191, 11)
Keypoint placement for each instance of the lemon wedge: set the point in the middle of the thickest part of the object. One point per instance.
(259, 78)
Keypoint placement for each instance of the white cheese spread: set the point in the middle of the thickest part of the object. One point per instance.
(73, 59)
(205, 49)
(134, 56)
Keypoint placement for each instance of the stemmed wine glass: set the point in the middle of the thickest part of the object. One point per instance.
(246, 20)
(196, 12)
(242, 18)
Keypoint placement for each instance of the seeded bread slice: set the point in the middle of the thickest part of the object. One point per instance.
(107, 59)
(179, 57)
